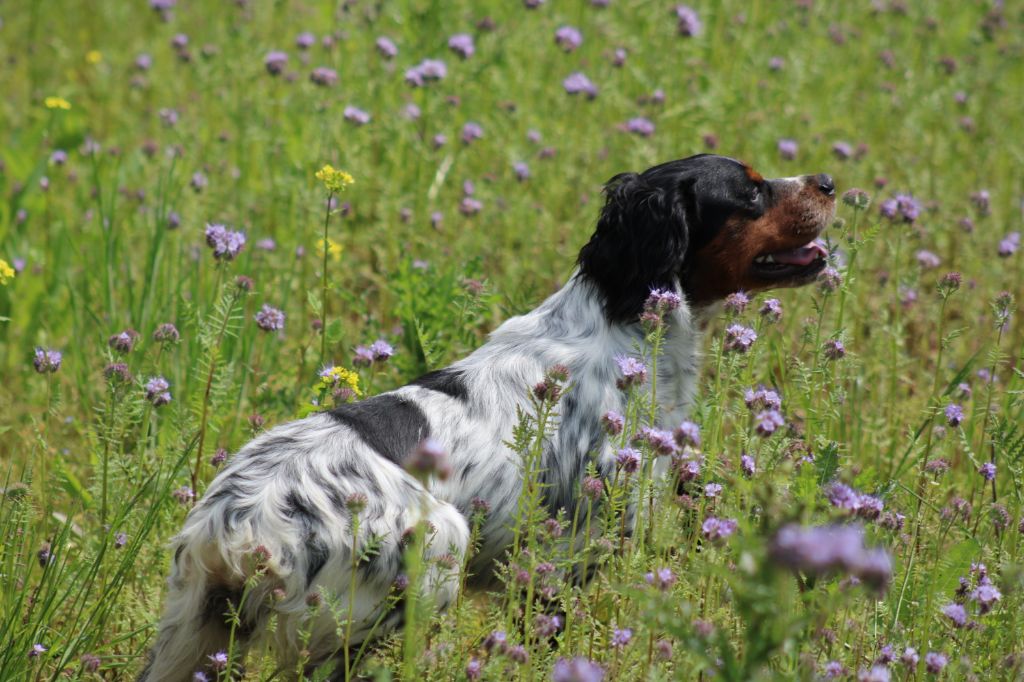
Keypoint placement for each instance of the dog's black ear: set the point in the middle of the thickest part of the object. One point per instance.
(640, 242)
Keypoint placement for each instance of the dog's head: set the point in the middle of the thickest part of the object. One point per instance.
(710, 223)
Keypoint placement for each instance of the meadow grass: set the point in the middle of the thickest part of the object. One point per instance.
(131, 126)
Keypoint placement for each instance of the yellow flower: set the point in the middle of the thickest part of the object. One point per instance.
(6, 272)
(94, 56)
(337, 377)
(334, 249)
(334, 180)
(57, 103)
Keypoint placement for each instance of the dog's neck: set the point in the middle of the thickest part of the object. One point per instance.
(571, 328)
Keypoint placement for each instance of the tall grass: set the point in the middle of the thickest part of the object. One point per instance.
(96, 477)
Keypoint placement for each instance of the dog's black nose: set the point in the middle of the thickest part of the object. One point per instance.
(825, 184)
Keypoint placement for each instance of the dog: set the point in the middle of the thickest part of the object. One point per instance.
(701, 227)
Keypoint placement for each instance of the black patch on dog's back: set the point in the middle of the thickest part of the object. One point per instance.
(448, 381)
(391, 425)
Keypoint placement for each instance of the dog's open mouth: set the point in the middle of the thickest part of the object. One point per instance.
(803, 261)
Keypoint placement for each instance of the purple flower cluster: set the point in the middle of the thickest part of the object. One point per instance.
(768, 422)
(1009, 245)
(577, 670)
(462, 45)
(568, 38)
(688, 22)
(844, 497)
(831, 549)
(158, 391)
(717, 530)
(269, 319)
(661, 442)
(47, 360)
(426, 71)
(577, 83)
(739, 338)
(634, 371)
(901, 207)
(226, 244)
(762, 398)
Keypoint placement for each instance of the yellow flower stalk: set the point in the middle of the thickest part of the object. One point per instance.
(334, 180)
(334, 249)
(6, 272)
(94, 56)
(57, 103)
(333, 377)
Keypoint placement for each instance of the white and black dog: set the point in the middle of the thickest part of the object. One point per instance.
(703, 227)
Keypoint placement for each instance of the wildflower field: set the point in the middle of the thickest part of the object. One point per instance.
(180, 271)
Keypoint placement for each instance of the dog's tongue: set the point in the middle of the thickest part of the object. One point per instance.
(804, 255)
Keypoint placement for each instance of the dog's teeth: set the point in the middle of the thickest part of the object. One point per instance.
(769, 259)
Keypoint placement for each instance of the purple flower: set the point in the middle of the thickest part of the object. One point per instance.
(578, 669)
(470, 206)
(842, 150)
(356, 115)
(712, 490)
(158, 391)
(592, 488)
(47, 360)
(715, 529)
(661, 301)
(183, 494)
(877, 673)
(120, 540)
(426, 71)
(986, 595)
(909, 658)
(275, 61)
(833, 669)
(762, 399)
(269, 319)
(788, 149)
(748, 465)
(198, 182)
(620, 638)
(628, 459)
(305, 40)
(59, 157)
(568, 38)
(546, 626)
(640, 126)
(1009, 245)
(689, 22)
(829, 549)
(954, 414)
(613, 423)
(634, 371)
(226, 244)
(123, 342)
(386, 48)
(462, 45)
(521, 170)
(474, 669)
(577, 83)
(903, 207)
(90, 663)
(737, 302)
(143, 62)
(381, 350)
(36, 651)
(934, 662)
(663, 579)
(927, 260)
(834, 349)
(687, 434)
(956, 613)
(266, 244)
(429, 458)
(768, 422)
(987, 471)
(219, 660)
(739, 338)
(323, 76)
(886, 656)
(471, 131)
(829, 280)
